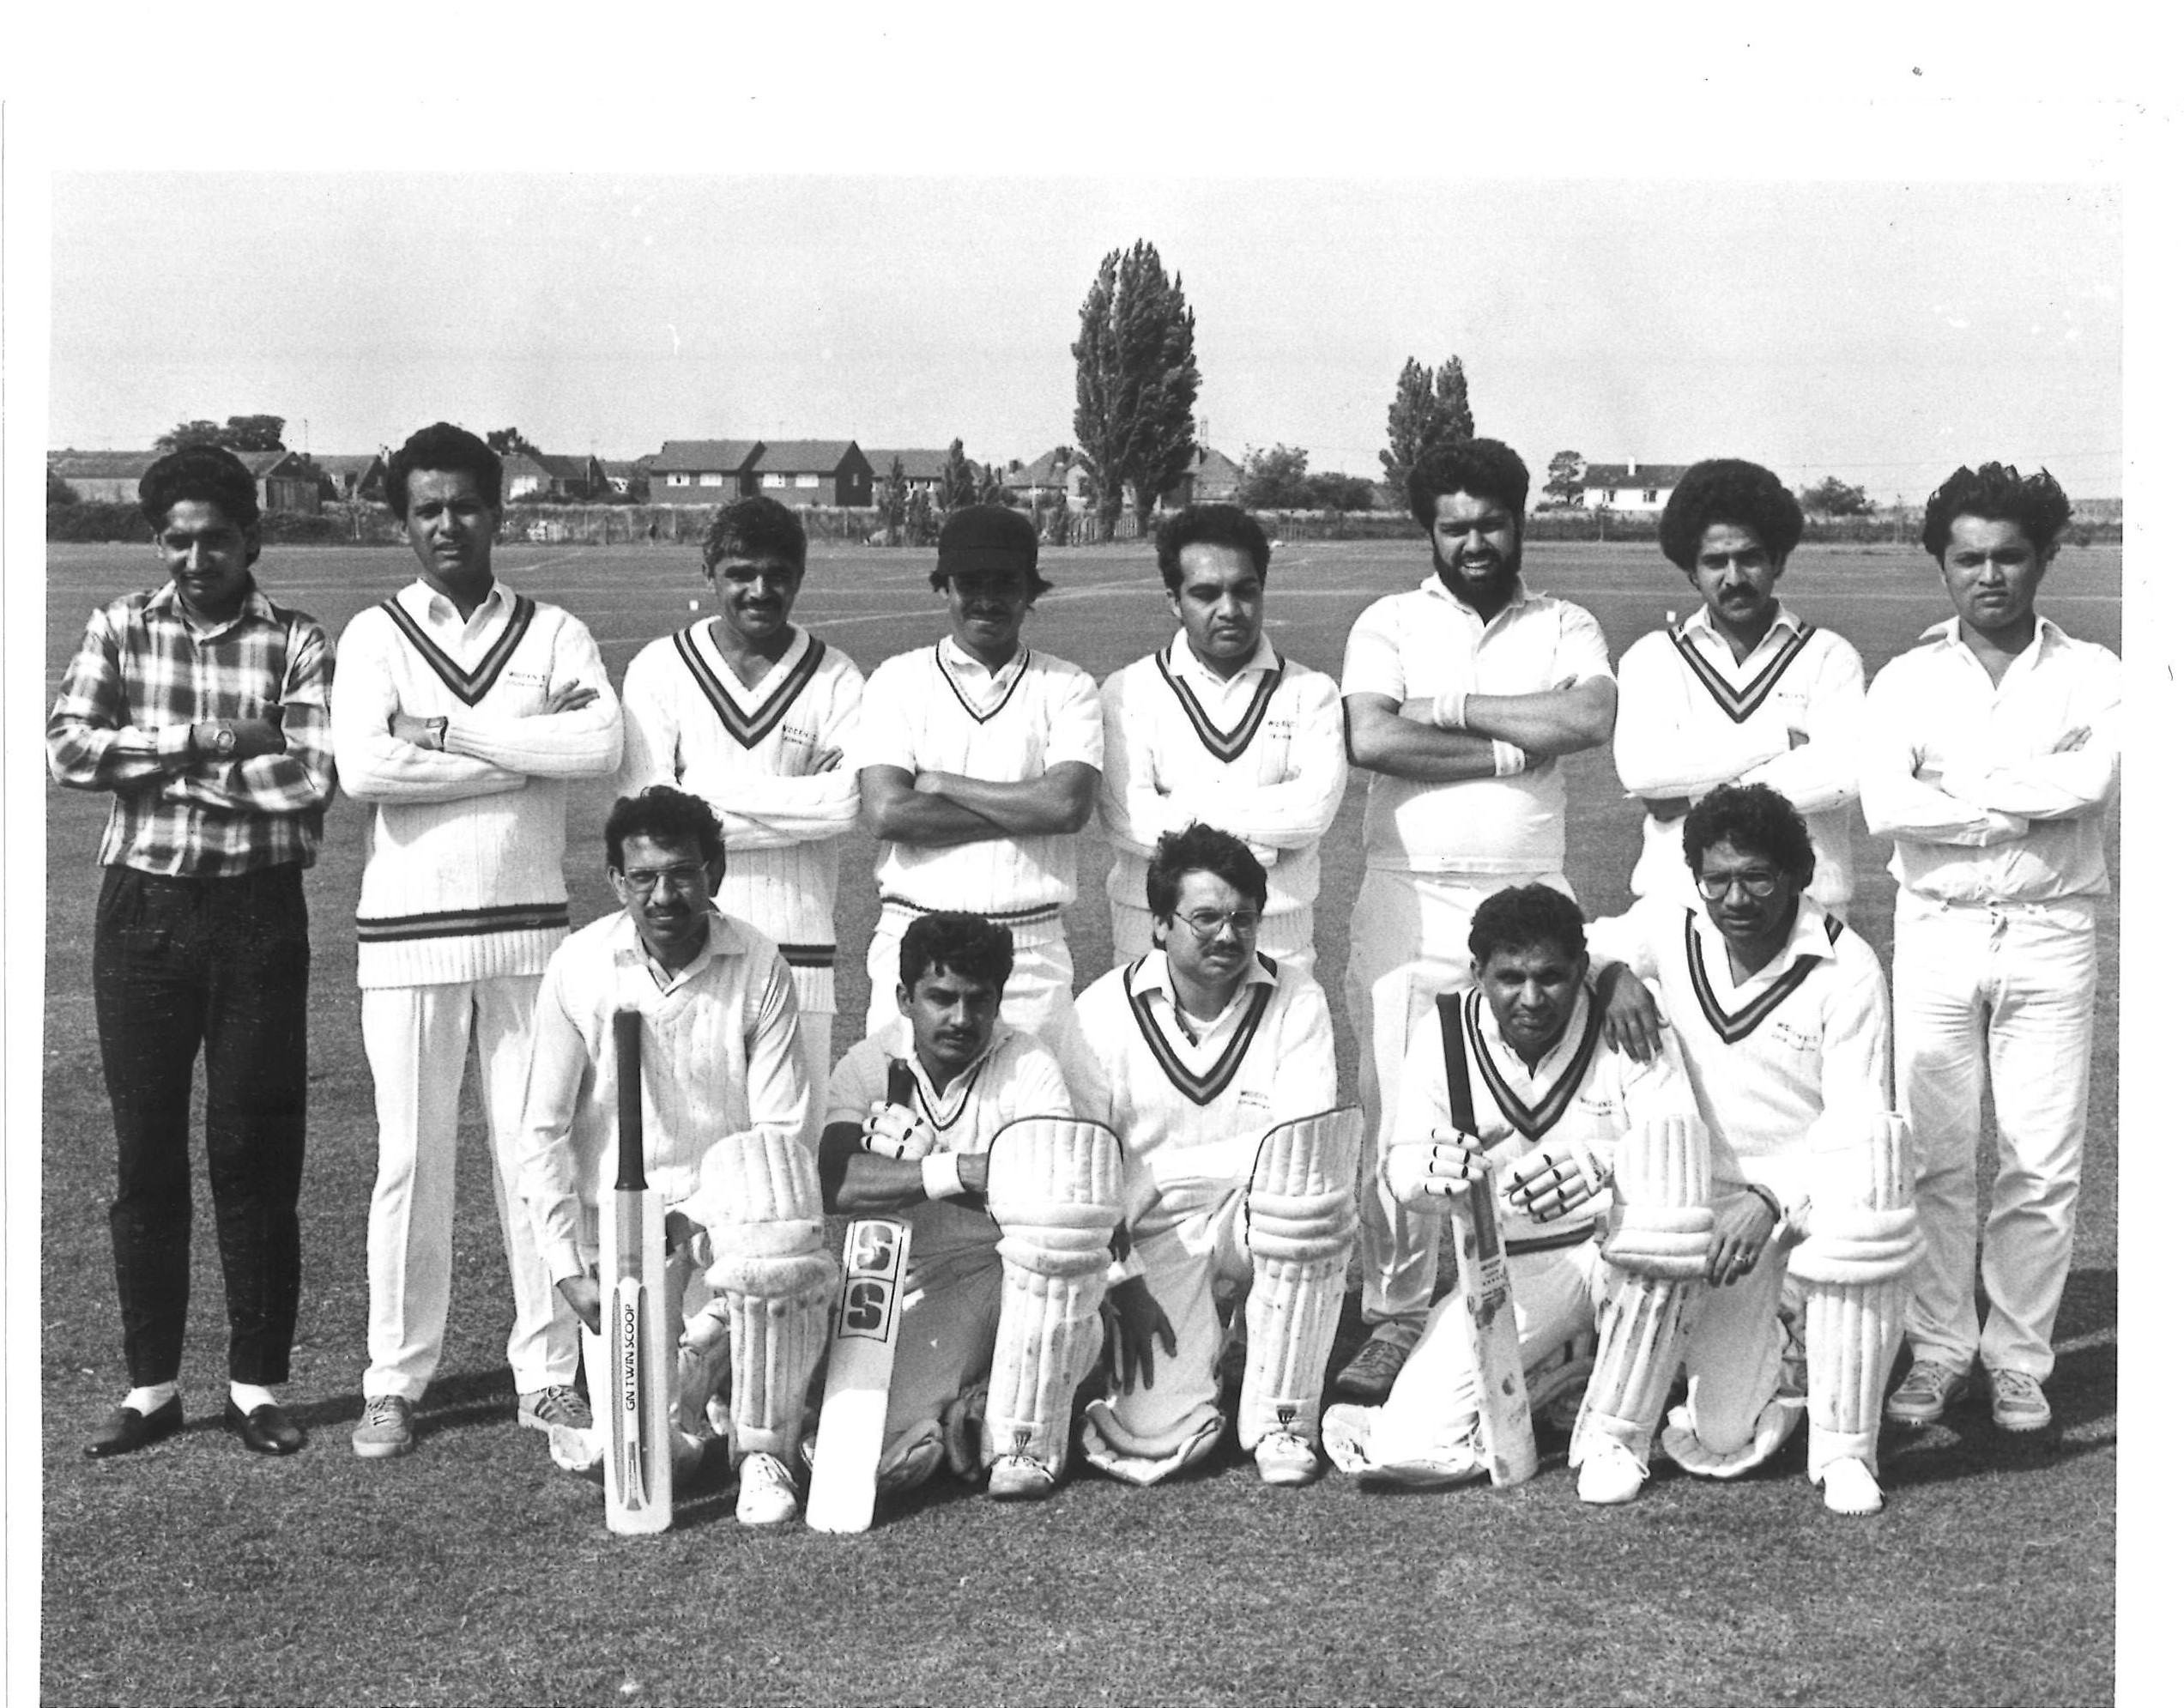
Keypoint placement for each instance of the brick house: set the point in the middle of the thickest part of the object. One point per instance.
(704, 470)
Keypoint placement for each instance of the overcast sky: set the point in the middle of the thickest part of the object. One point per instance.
(1883, 332)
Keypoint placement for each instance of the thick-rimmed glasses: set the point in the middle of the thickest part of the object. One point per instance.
(688, 879)
(1207, 924)
(1714, 886)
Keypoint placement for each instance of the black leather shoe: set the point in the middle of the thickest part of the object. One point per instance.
(126, 1429)
(266, 1430)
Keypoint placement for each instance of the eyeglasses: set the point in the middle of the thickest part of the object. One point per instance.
(1713, 885)
(1208, 925)
(675, 877)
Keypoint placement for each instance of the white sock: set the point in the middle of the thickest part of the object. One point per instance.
(248, 1398)
(146, 1401)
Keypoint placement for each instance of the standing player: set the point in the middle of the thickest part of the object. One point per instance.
(1218, 727)
(461, 711)
(201, 706)
(728, 1141)
(1782, 1015)
(1742, 690)
(1192, 1053)
(927, 1161)
(1991, 753)
(1561, 1118)
(1460, 696)
(977, 760)
(752, 713)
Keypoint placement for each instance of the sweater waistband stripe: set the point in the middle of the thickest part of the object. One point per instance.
(1022, 916)
(476, 922)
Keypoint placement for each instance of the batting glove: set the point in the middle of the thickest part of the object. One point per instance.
(1426, 1175)
(1555, 1179)
(892, 1131)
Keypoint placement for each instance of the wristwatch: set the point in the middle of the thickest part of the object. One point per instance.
(223, 741)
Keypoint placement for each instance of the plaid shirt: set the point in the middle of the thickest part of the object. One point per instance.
(145, 673)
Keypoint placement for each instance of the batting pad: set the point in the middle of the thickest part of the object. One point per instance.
(1300, 1220)
(776, 1279)
(1661, 1222)
(1644, 1324)
(1855, 1264)
(1055, 1188)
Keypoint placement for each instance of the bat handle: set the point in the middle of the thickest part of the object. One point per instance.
(902, 1084)
(629, 1110)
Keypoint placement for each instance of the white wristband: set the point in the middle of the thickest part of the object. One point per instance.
(1448, 709)
(943, 1173)
(1508, 759)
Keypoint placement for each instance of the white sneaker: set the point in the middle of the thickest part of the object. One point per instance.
(1849, 1488)
(1285, 1461)
(767, 1494)
(1017, 1476)
(1611, 1476)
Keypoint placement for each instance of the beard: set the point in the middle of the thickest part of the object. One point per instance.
(1496, 592)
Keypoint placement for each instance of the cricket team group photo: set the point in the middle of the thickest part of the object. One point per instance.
(1289, 1082)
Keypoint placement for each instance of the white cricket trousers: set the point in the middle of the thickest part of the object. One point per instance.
(1286, 936)
(1999, 996)
(1408, 943)
(417, 1038)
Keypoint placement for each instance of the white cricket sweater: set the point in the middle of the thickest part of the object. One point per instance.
(769, 760)
(463, 878)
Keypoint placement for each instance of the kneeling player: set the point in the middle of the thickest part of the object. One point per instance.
(1781, 1012)
(1216, 1067)
(1557, 1119)
(727, 1143)
(933, 1120)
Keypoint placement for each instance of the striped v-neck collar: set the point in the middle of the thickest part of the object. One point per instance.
(1734, 1025)
(1739, 702)
(472, 685)
(1225, 745)
(1532, 1119)
(1201, 1088)
(725, 693)
(1020, 665)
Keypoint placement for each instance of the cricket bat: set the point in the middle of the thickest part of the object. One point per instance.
(640, 1364)
(1483, 1279)
(860, 1364)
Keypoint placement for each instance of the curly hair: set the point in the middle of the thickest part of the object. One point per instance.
(1519, 918)
(1758, 820)
(1209, 524)
(756, 527)
(1485, 467)
(1201, 848)
(665, 814)
(442, 448)
(1997, 493)
(968, 945)
(1729, 489)
(210, 474)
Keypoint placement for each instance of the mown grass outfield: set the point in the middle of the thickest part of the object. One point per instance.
(473, 1572)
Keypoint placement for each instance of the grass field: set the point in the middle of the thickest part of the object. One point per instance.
(474, 1571)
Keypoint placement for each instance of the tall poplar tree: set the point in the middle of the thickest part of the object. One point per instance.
(1432, 407)
(1137, 382)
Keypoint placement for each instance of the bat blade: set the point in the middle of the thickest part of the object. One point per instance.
(1482, 1276)
(860, 1367)
(639, 1494)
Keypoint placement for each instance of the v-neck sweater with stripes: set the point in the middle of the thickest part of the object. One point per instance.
(463, 878)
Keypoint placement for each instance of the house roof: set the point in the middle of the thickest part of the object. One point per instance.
(1606, 476)
(1041, 471)
(101, 465)
(805, 455)
(263, 462)
(917, 465)
(704, 456)
(624, 471)
(1216, 465)
(345, 462)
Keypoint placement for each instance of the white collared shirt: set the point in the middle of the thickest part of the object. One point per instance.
(1259, 754)
(1805, 1038)
(1994, 791)
(1168, 1086)
(1411, 647)
(721, 1058)
(1689, 715)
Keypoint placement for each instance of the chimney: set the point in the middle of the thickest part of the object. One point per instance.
(1632, 471)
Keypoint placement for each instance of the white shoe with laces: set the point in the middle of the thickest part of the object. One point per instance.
(766, 1492)
(1612, 1476)
(1849, 1487)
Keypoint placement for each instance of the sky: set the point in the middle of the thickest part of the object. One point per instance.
(1882, 332)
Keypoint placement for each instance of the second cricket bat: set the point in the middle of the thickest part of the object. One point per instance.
(640, 1364)
(860, 1363)
(1483, 1275)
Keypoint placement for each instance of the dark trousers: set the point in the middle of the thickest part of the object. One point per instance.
(224, 962)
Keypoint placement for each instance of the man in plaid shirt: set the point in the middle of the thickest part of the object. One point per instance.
(201, 707)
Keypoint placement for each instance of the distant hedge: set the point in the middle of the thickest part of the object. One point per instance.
(96, 521)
